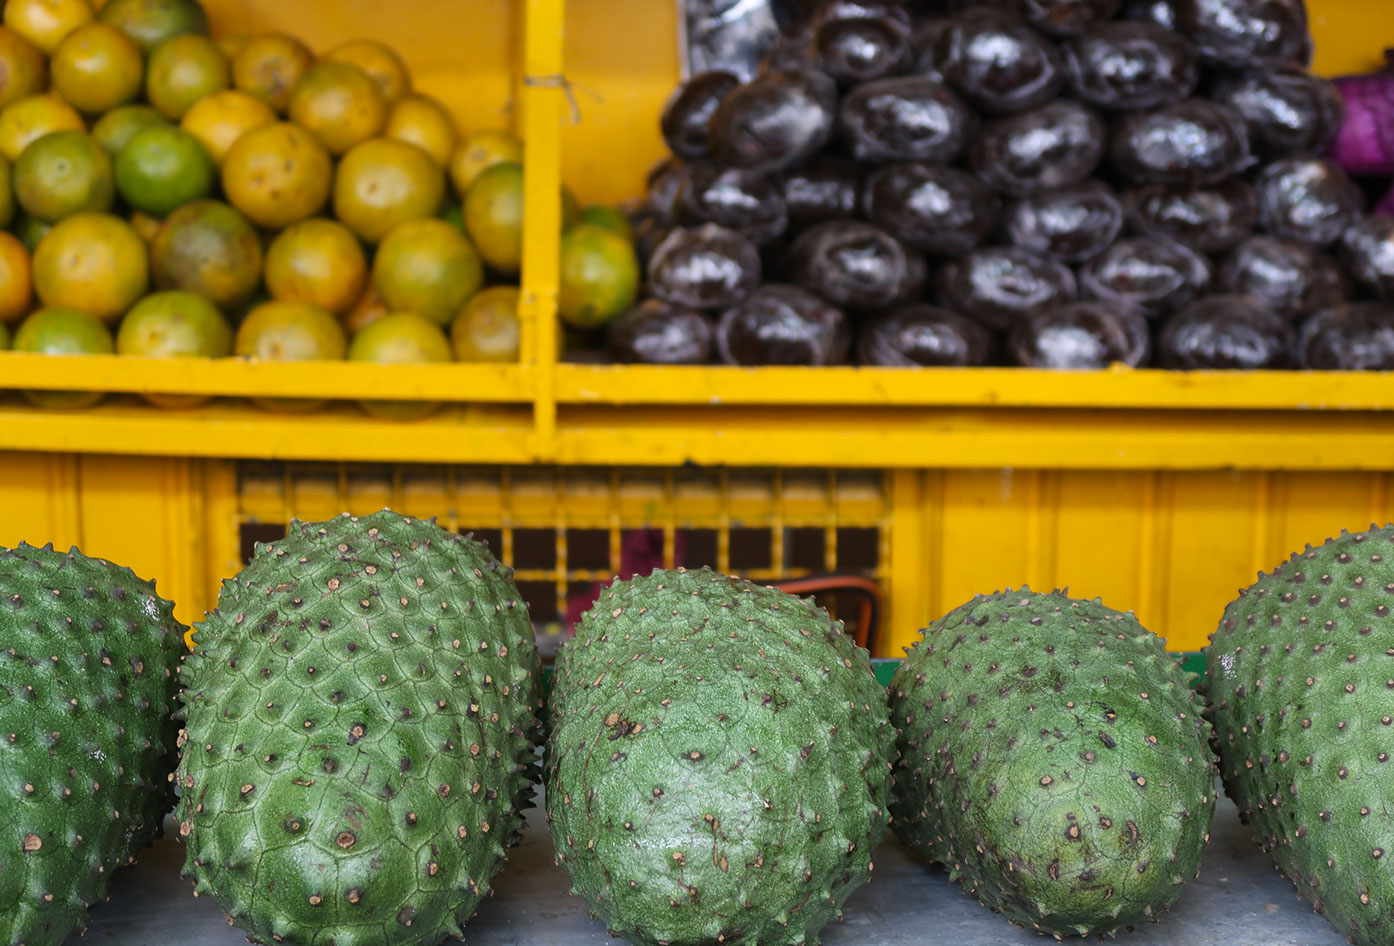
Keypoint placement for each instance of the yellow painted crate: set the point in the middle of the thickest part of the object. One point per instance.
(1161, 492)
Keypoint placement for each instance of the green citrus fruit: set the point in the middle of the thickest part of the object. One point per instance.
(150, 22)
(599, 276)
(487, 327)
(161, 169)
(209, 249)
(59, 331)
(174, 325)
(64, 173)
(382, 183)
(400, 338)
(611, 218)
(290, 331)
(427, 267)
(94, 263)
(117, 126)
(182, 70)
(96, 68)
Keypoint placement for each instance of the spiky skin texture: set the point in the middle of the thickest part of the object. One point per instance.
(1054, 759)
(358, 744)
(718, 766)
(1300, 676)
(88, 654)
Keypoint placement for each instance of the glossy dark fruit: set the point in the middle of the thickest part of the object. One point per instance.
(793, 51)
(907, 118)
(1066, 17)
(998, 62)
(665, 188)
(782, 325)
(656, 333)
(1152, 275)
(1289, 111)
(821, 189)
(1309, 200)
(705, 267)
(774, 121)
(1080, 336)
(1367, 249)
(746, 201)
(1209, 219)
(1047, 148)
(1001, 285)
(1126, 66)
(924, 45)
(940, 210)
(832, 10)
(923, 336)
(1072, 224)
(689, 109)
(860, 50)
(1193, 142)
(1289, 278)
(1245, 34)
(1224, 332)
(1161, 12)
(856, 265)
(1354, 337)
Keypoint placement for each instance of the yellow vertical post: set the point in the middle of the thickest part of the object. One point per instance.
(544, 95)
(910, 568)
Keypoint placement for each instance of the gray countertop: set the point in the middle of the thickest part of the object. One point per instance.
(1239, 900)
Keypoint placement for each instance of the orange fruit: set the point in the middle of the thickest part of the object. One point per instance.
(182, 70)
(60, 331)
(96, 68)
(479, 152)
(422, 121)
(210, 249)
(45, 22)
(7, 192)
(146, 226)
(116, 127)
(599, 276)
(31, 118)
(400, 338)
(277, 174)
(150, 22)
(494, 216)
(379, 61)
(367, 310)
(16, 288)
(23, 68)
(340, 103)
(163, 168)
(290, 331)
(427, 267)
(62, 174)
(220, 119)
(382, 183)
(316, 261)
(269, 65)
(174, 325)
(487, 327)
(94, 263)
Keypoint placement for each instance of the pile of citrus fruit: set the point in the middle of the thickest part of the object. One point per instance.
(167, 194)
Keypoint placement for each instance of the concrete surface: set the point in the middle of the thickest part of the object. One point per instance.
(1238, 901)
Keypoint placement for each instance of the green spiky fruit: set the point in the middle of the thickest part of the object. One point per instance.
(1054, 759)
(358, 744)
(88, 654)
(718, 766)
(1299, 676)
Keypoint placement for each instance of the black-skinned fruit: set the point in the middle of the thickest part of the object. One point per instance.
(665, 186)
(1071, 224)
(360, 714)
(941, 210)
(924, 46)
(1209, 218)
(656, 333)
(1152, 274)
(1195, 142)
(773, 122)
(1066, 17)
(706, 267)
(782, 325)
(908, 118)
(824, 188)
(1224, 332)
(689, 109)
(1160, 12)
(90, 656)
(856, 265)
(997, 62)
(1307, 200)
(1000, 285)
(1367, 250)
(893, 11)
(1289, 111)
(1289, 278)
(1245, 34)
(1296, 677)
(1053, 146)
(1054, 758)
(861, 49)
(923, 336)
(1356, 336)
(1126, 66)
(749, 202)
(719, 765)
(1080, 336)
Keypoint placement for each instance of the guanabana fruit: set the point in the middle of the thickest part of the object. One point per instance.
(88, 654)
(1054, 759)
(1300, 677)
(360, 714)
(718, 766)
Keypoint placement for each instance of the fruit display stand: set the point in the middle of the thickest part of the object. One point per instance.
(1162, 492)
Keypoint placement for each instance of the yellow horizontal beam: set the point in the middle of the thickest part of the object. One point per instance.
(453, 435)
(974, 387)
(238, 377)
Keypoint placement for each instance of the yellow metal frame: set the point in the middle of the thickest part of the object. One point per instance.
(1163, 492)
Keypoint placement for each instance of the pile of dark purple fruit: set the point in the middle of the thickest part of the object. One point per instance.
(1051, 183)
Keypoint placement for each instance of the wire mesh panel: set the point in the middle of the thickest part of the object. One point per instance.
(567, 531)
